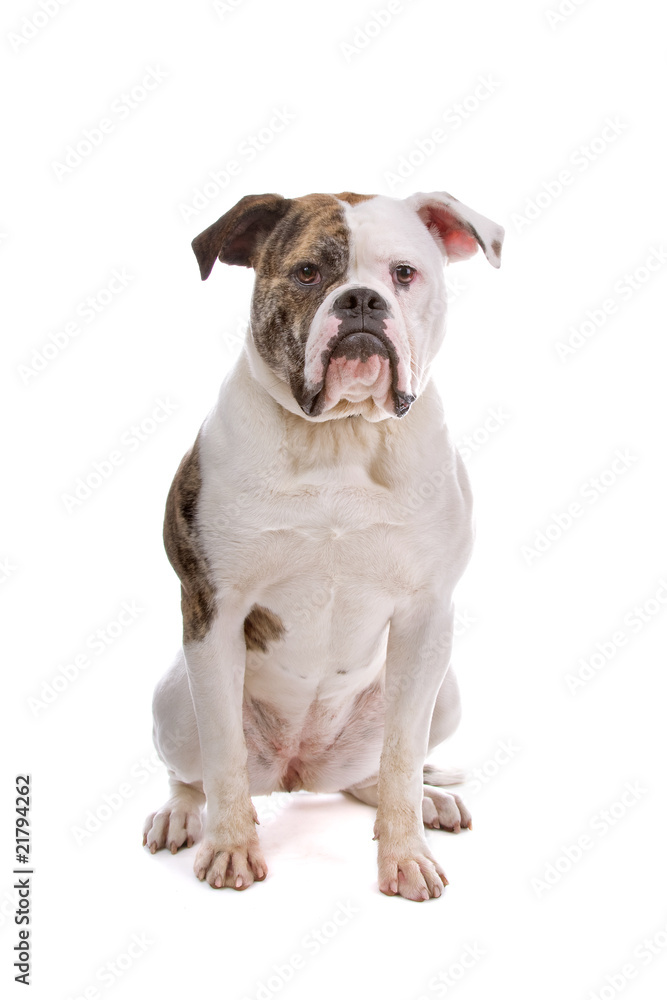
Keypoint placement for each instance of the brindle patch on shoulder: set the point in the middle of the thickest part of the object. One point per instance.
(181, 541)
(262, 627)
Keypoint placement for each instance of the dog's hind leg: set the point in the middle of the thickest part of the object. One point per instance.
(178, 822)
(444, 810)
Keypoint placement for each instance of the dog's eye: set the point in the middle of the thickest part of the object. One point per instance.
(404, 274)
(308, 274)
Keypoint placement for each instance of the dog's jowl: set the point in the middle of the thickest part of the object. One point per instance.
(316, 593)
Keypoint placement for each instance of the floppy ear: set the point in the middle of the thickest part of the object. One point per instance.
(236, 236)
(458, 227)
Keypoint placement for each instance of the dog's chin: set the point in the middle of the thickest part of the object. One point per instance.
(367, 408)
(337, 397)
(358, 386)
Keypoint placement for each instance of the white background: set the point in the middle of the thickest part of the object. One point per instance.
(531, 922)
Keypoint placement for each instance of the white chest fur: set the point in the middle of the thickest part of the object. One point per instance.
(325, 526)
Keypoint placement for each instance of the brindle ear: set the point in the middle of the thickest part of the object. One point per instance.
(236, 236)
(458, 228)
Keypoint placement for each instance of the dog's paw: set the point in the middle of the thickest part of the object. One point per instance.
(178, 822)
(445, 811)
(410, 871)
(224, 864)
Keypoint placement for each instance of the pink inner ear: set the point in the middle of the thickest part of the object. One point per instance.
(459, 243)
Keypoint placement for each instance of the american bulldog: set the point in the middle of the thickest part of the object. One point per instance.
(318, 526)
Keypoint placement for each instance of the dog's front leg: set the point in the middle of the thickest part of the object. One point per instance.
(229, 854)
(418, 653)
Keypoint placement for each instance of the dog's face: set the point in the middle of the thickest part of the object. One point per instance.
(349, 302)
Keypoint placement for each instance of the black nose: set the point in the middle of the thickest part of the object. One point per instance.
(359, 302)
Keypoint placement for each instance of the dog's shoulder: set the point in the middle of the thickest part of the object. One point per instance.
(184, 549)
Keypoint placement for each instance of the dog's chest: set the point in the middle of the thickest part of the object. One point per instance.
(323, 564)
(329, 575)
(320, 535)
(309, 540)
(330, 563)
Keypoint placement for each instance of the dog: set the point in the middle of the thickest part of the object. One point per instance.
(318, 526)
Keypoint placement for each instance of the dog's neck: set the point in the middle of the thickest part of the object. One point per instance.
(383, 448)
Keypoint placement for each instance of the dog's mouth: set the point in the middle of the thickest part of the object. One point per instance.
(357, 366)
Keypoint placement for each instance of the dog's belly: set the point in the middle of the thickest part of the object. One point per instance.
(314, 706)
(330, 748)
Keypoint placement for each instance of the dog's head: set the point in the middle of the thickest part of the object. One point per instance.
(349, 303)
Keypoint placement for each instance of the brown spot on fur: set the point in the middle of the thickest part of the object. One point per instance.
(314, 231)
(496, 247)
(181, 541)
(276, 236)
(313, 223)
(262, 627)
(353, 199)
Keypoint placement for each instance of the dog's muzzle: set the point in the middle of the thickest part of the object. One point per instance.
(361, 335)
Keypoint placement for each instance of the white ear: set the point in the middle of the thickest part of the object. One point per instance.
(457, 227)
